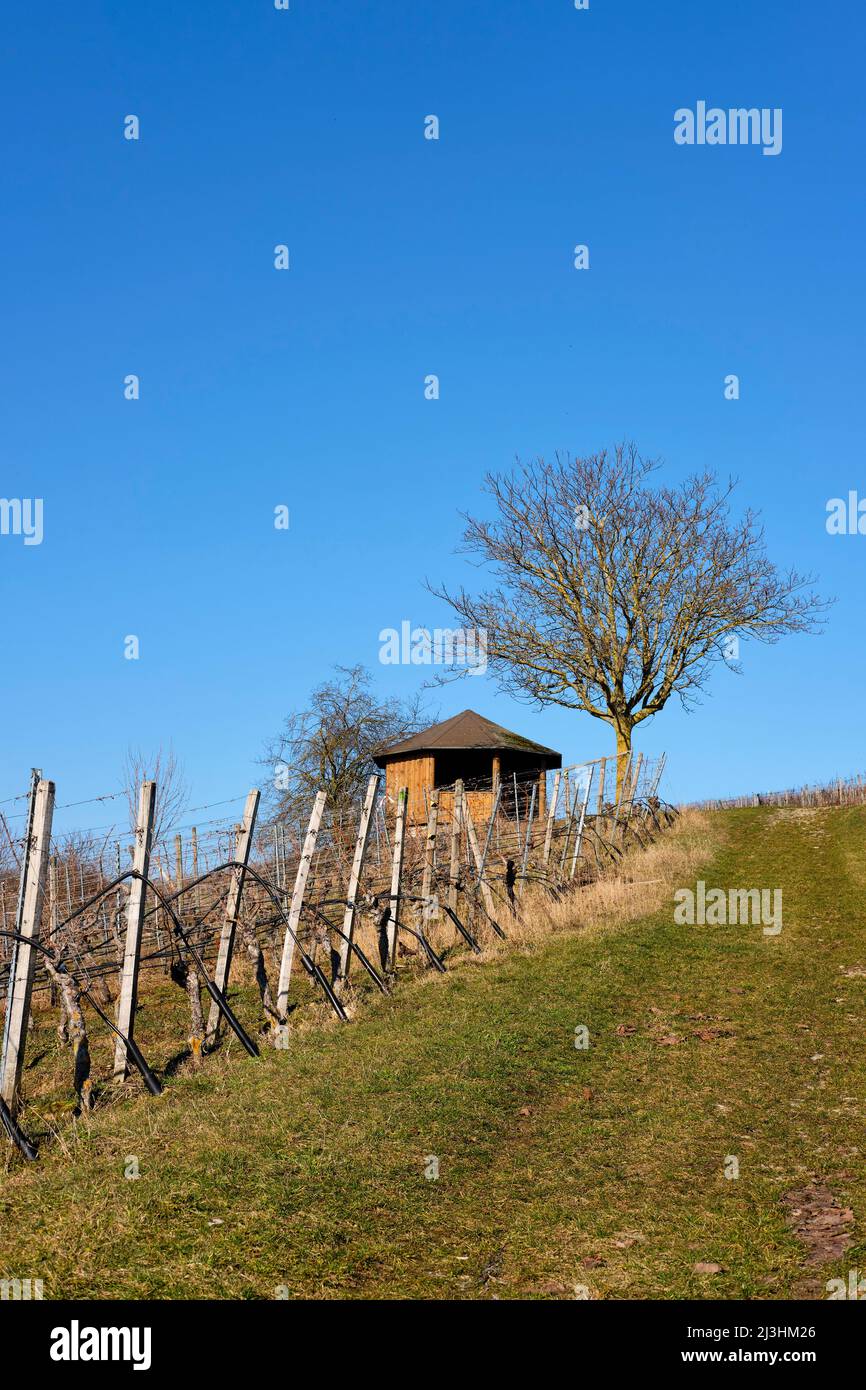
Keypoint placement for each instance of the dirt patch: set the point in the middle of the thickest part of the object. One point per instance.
(819, 1222)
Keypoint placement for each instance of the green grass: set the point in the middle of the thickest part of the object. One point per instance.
(313, 1160)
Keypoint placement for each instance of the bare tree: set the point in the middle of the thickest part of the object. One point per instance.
(172, 789)
(611, 594)
(331, 744)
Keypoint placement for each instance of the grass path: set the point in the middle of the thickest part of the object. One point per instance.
(558, 1167)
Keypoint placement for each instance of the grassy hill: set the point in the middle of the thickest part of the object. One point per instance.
(560, 1170)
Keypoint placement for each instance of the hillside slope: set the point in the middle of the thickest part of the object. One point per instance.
(561, 1172)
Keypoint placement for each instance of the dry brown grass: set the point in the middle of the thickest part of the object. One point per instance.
(633, 888)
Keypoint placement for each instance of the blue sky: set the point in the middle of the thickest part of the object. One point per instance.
(408, 257)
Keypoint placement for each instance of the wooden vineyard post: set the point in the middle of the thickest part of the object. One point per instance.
(551, 817)
(571, 807)
(288, 956)
(566, 803)
(528, 834)
(601, 771)
(524, 858)
(282, 857)
(118, 905)
(361, 843)
(243, 845)
(429, 857)
(654, 785)
(579, 840)
(278, 878)
(490, 825)
(53, 916)
(103, 915)
(622, 791)
(516, 816)
(53, 913)
(456, 826)
(634, 790)
(36, 853)
(486, 891)
(127, 997)
(194, 846)
(396, 875)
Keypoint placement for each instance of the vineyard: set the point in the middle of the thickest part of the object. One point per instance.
(284, 924)
(843, 791)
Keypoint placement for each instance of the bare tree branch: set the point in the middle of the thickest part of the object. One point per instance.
(331, 744)
(612, 593)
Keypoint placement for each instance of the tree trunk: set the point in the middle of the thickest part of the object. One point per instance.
(257, 959)
(193, 994)
(73, 1031)
(185, 976)
(623, 752)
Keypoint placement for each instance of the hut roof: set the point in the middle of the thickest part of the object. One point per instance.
(468, 730)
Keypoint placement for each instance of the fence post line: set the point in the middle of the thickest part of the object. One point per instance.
(628, 802)
(454, 866)
(429, 855)
(551, 816)
(490, 824)
(381, 812)
(486, 891)
(53, 919)
(363, 839)
(283, 857)
(396, 874)
(572, 807)
(194, 847)
(298, 891)
(21, 978)
(243, 845)
(159, 915)
(278, 883)
(118, 904)
(35, 777)
(622, 791)
(126, 999)
(53, 916)
(102, 910)
(579, 839)
(525, 863)
(566, 795)
(657, 777)
(634, 790)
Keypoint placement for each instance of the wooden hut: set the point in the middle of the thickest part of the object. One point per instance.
(473, 749)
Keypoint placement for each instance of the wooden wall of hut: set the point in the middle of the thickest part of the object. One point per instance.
(418, 773)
